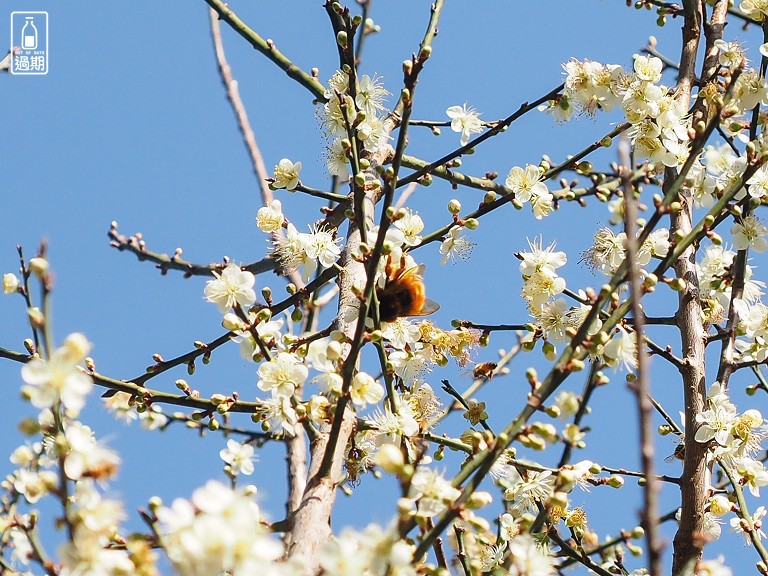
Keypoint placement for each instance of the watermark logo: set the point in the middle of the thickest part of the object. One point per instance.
(29, 43)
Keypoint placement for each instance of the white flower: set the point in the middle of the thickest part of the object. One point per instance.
(715, 423)
(719, 505)
(219, 530)
(269, 332)
(455, 245)
(753, 474)
(541, 203)
(710, 526)
(239, 458)
(291, 251)
(647, 68)
(85, 456)
(425, 404)
(411, 225)
(337, 161)
(529, 491)
(388, 427)
(33, 484)
(750, 232)
(10, 283)
(365, 390)
(750, 89)
(622, 349)
(553, 319)
(433, 492)
(270, 218)
(608, 252)
(283, 373)
(757, 9)
(529, 558)
(540, 258)
(370, 95)
(413, 364)
(568, 403)
(713, 568)
(401, 333)
(540, 286)
(59, 377)
(322, 246)
(591, 85)
(232, 286)
(731, 54)
(753, 318)
(286, 174)
(464, 120)
(526, 182)
(278, 413)
(491, 556)
(373, 135)
(738, 525)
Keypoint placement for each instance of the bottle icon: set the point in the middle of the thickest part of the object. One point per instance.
(29, 34)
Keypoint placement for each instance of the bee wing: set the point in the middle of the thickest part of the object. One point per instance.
(417, 271)
(430, 306)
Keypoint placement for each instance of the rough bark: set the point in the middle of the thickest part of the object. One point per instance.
(687, 541)
(310, 523)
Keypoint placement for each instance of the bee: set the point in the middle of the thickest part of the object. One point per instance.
(678, 454)
(484, 371)
(403, 293)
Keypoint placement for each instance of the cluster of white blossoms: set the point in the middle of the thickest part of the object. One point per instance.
(373, 552)
(713, 271)
(306, 250)
(719, 169)
(734, 440)
(220, 530)
(59, 378)
(528, 187)
(525, 491)
(659, 121)
(69, 453)
(349, 113)
(610, 251)
(541, 287)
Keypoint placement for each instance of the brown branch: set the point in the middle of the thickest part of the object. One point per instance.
(137, 246)
(687, 547)
(641, 385)
(249, 138)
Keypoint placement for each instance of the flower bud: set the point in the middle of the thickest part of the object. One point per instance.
(39, 266)
(479, 500)
(390, 459)
(615, 481)
(10, 283)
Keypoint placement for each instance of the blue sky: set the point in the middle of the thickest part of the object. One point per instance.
(131, 124)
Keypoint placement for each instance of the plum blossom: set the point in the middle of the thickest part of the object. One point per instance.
(59, 377)
(286, 174)
(465, 120)
(232, 286)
